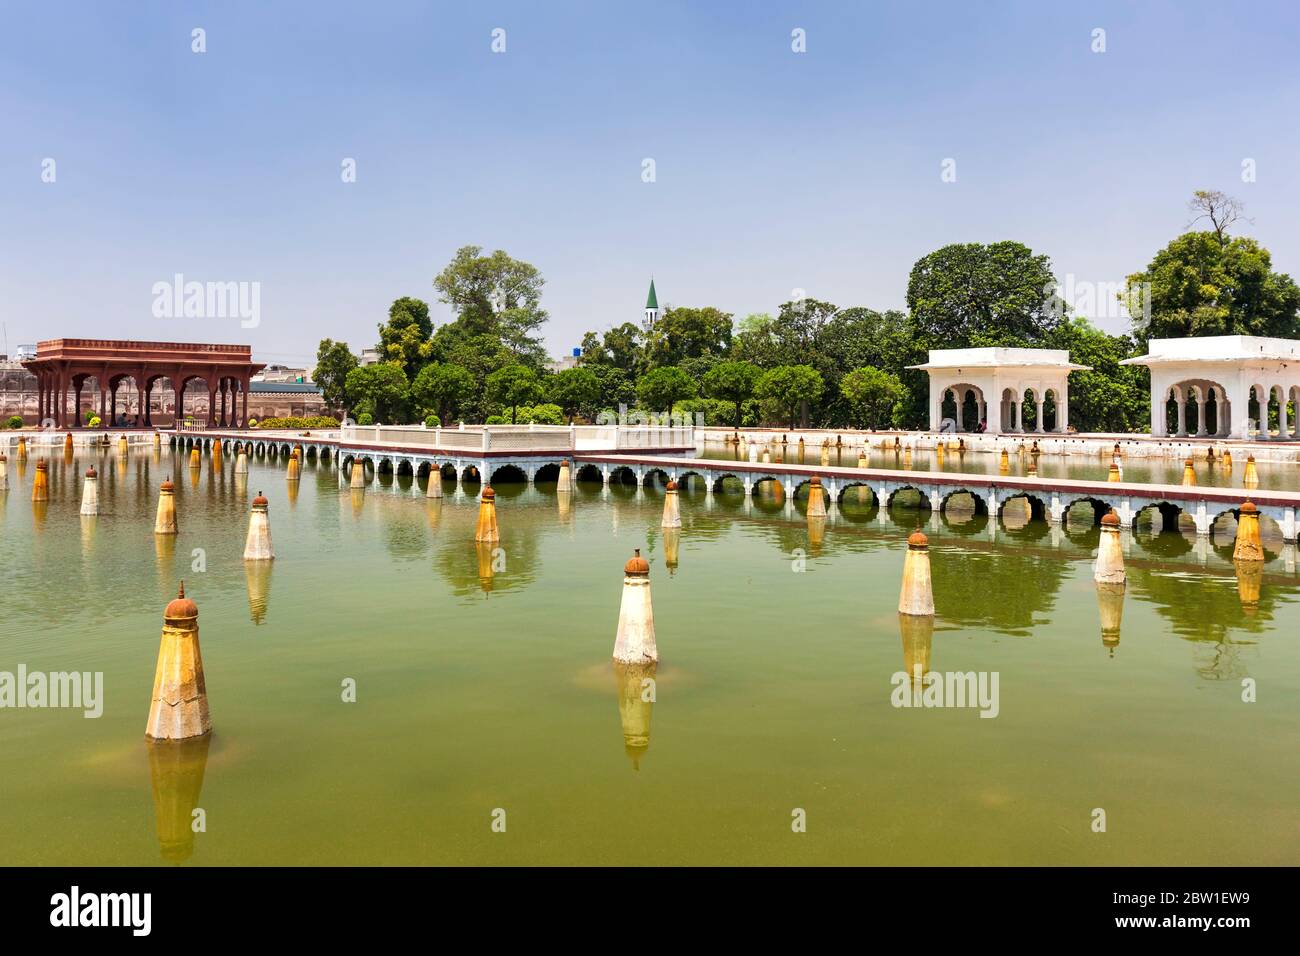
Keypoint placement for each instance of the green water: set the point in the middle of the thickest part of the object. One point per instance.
(476, 692)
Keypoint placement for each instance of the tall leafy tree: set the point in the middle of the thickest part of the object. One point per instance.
(732, 382)
(442, 389)
(513, 386)
(381, 390)
(683, 333)
(970, 295)
(662, 388)
(334, 360)
(1110, 397)
(404, 338)
(873, 395)
(1204, 283)
(575, 390)
(792, 387)
(496, 295)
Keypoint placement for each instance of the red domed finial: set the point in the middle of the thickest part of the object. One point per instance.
(637, 565)
(182, 608)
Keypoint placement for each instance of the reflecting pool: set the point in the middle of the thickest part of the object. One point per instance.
(483, 682)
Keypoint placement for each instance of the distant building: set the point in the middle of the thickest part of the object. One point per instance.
(284, 400)
(282, 373)
(370, 357)
(565, 362)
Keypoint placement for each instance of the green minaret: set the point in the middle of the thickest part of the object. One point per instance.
(651, 307)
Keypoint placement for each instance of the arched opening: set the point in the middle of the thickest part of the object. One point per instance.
(622, 475)
(1051, 411)
(547, 474)
(1030, 419)
(503, 474)
(1020, 509)
(654, 477)
(1009, 411)
(908, 498)
(962, 408)
(1084, 513)
(960, 507)
(589, 473)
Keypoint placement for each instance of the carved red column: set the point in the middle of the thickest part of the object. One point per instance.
(178, 389)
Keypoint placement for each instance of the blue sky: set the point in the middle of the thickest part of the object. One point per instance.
(774, 170)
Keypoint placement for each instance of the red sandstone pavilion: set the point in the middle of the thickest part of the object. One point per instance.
(65, 365)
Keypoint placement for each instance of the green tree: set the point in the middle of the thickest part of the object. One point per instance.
(617, 387)
(663, 387)
(544, 414)
(575, 390)
(442, 389)
(798, 326)
(480, 355)
(873, 395)
(380, 390)
(732, 382)
(513, 386)
(683, 333)
(1205, 283)
(971, 295)
(334, 360)
(792, 387)
(620, 347)
(1109, 397)
(404, 338)
(496, 295)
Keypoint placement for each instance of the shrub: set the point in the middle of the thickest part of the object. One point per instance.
(317, 421)
(545, 414)
(14, 421)
(93, 421)
(432, 421)
(365, 418)
(497, 420)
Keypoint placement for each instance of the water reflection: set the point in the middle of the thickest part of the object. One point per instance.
(176, 769)
(257, 575)
(917, 632)
(1110, 603)
(672, 545)
(636, 688)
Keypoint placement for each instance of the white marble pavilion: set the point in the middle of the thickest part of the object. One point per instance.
(1223, 386)
(1006, 388)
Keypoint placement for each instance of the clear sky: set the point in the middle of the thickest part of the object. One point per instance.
(774, 170)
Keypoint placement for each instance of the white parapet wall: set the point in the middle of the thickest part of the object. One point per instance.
(1092, 445)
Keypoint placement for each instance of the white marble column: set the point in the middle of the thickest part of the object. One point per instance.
(1038, 421)
(1200, 418)
(1182, 415)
